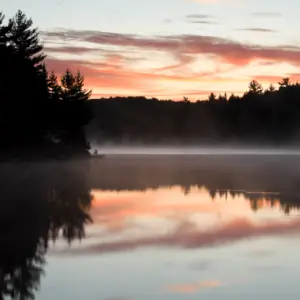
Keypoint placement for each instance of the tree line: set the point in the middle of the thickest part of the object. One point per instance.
(43, 114)
(39, 113)
(269, 116)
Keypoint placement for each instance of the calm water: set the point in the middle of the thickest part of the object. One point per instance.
(152, 227)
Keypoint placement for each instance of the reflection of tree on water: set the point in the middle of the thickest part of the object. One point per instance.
(37, 204)
(274, 179)
(287, 201)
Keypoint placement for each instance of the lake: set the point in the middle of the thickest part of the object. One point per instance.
(151, 227)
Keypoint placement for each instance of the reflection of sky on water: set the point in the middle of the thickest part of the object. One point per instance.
(165, 244)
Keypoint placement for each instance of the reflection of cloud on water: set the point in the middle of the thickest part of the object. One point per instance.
(119, 211)
(169, 218)
(192, 287)
(193, 237)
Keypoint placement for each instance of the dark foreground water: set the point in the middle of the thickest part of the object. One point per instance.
(151, 227)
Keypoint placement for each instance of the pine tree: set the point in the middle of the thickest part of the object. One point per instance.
(212, 97)
(54, 89)
(4, 29)
(255, 87)
(32, 102)
(72, 87)
(24, 39)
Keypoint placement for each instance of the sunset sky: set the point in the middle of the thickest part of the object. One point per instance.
(168, 48)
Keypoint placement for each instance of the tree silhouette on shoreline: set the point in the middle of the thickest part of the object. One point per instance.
(41, 115)
(259, 116)
(35, 110)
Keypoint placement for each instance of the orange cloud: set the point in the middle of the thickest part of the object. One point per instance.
(295, 77)
(129, 64)
(110, 76)
(193, 287)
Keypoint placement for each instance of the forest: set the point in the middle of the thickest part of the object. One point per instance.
(40, 115)
(259, 116)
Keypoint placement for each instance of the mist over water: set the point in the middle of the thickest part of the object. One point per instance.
(193, 150)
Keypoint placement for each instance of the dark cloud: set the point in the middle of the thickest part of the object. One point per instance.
(200, 19)
(198, 16)
(256, 29)
(203, 22)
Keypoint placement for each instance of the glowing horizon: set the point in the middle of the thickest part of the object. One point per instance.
(171, 48)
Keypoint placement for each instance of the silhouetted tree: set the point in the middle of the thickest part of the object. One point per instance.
(212, 97)
(255, 88)
(4, 29)
(272, 88)
(186, 99)
(72, 87)
(285, 82)
(24, 39)
(34, 107)
(54, 88)
(72, 112)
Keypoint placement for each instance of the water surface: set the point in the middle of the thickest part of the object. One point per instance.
(152, 227)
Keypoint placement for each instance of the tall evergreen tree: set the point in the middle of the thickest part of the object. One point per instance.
(212, 97)
(71, 111)
(34, 107)
(4, 29)
(54, 88)
(25, 39)
(255, 88)
(72, 87)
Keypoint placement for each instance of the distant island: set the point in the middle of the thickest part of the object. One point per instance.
(270, 117)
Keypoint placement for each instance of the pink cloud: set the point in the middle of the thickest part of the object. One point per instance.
(116, 72)
(181, 45)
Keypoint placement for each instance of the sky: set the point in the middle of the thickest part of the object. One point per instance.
(168, 48)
